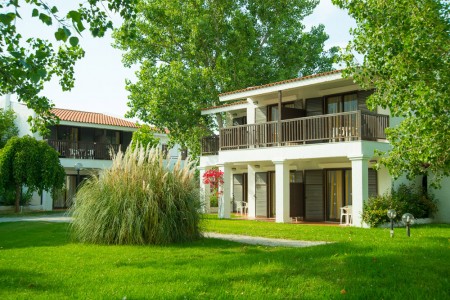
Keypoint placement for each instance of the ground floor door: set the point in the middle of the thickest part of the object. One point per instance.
(265, 194)
(297, 202)
(65, 197)
(314, 196)
(239, 189)
(338, 192)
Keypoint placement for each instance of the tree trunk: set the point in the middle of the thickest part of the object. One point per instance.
(18, 192)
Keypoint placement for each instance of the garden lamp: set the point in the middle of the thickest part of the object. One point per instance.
(408, 220)
(391, 215)
(78, 167)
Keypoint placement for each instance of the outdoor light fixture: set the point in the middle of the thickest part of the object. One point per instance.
(408, 220)
(391, 215)
(78, 167)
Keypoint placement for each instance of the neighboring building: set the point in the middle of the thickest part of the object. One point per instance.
(302, 148)
(85, 138)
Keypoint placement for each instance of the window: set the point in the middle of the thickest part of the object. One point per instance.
(341, 103)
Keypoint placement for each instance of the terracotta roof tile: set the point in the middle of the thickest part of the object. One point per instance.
(281, 82)
(225, 105)
(90, 117)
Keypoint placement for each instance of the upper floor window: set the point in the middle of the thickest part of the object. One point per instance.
(341, 103)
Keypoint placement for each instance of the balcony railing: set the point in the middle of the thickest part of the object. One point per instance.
(348, 126)
(84, 150)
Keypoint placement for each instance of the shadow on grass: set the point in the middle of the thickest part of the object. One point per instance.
(33, 234)
(13, 280)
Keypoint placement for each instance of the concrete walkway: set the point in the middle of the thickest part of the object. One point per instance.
(57, 218)
(244, 239)
(253, 240)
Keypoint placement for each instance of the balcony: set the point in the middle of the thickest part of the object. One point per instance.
(84, 150)
(340, 127)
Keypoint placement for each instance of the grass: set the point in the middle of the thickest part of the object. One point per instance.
(37, 260)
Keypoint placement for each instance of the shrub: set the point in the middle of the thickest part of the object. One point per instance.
(8, 197)
(139, 200)
(407, 198)
(214, 178)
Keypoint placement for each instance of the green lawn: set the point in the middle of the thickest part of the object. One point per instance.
(37, 260)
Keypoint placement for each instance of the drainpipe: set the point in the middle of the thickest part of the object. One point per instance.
(280, 96)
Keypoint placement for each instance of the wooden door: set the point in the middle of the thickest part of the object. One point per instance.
(238, 190)
(297, 201)
(314, 198)
(261, 180)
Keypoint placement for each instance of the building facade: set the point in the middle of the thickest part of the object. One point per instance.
(85, 142)
(301, 149)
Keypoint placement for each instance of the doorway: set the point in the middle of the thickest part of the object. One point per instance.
(338, 192)
(296, 199)
(265, 194)
(239, 189)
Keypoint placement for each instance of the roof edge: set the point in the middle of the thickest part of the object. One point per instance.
(277, 83)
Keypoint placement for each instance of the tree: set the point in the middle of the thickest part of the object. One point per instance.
(26, 66)
(7, 127)
(190, 51)
(406, 48)
(26, 161)
(145, 135)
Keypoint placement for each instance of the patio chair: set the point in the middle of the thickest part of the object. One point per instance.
(241, 207)
(346, 211)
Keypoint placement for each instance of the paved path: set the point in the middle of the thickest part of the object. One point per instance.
(57, 218)
(253, 240)
(245, 239)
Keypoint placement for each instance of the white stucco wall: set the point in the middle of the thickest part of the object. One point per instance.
(443, 197)
(384, 181)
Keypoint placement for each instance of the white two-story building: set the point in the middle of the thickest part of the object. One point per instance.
(84, 141)
(302, 148)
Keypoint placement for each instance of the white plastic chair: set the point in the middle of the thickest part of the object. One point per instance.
(241, 207)
(346, 211)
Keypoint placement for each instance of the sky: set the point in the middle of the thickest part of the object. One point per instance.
(100, 75)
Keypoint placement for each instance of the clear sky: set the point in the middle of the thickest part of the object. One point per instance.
(100, 75)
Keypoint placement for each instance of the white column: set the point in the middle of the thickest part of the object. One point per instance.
(251, 192)
(360, 187)
(225, 192)
(47, 201)
(204, 192)
(282, 191)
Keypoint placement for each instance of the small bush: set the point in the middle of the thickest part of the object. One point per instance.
(138, 201)
(8, 196)
(406, 199)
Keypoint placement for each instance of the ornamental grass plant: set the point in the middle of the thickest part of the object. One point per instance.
(139, 200)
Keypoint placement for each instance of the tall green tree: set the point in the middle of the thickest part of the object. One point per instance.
(25, 65)
(406, 49)
(8, 128)
(190, 51)
(26, 161)
(145, 136)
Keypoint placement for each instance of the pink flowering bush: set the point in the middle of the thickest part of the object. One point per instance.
(214, 178)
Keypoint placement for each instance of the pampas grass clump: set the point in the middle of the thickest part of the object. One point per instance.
(139, 200)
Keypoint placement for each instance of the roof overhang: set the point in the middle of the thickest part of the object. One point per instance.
(220, 109)
(285, 85)
(98, 126)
